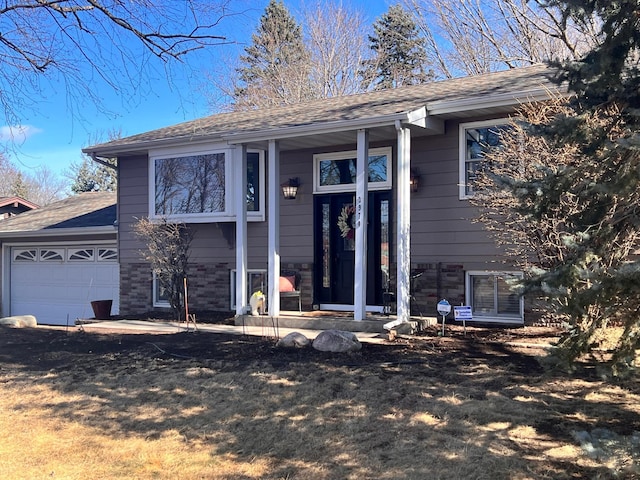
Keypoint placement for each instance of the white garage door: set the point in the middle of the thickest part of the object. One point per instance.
(57, 284)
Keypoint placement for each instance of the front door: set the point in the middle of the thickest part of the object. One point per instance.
(335, 248)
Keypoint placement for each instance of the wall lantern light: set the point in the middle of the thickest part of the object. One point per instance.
(414, 181)
(290, 188)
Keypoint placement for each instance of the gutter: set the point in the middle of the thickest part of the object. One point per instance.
(52, 232)
(443, 107)
(102, 162)
(414, 117)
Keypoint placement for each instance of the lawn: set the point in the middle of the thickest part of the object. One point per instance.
(78, 405)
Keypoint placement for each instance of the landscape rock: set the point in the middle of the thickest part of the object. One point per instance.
(337, 341)
(19, 321)
(293, 340)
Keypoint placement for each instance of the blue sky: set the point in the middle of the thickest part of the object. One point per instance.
(54, 132)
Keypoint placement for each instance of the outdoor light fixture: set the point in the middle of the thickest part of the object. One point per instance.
(414, 181)
(290, 188)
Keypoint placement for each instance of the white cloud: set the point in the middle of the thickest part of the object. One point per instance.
(17, 133)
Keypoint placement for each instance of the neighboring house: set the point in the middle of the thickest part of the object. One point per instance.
(12, 206)
(350, 240)
(57, 259)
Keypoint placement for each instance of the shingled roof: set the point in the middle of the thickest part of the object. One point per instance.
(91, 209)
(439, 98)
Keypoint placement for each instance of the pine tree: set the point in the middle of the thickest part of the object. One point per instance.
(19, 187)
(588, 193)
(89, 176)
(276, 65)
(399, 52)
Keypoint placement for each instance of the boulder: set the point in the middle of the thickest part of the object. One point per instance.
(19, 321)
(293, 340)
(337, 341)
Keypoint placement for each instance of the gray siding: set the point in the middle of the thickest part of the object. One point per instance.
(441, 227)
(441, 224)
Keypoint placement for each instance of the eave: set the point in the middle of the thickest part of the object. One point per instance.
(61, 232)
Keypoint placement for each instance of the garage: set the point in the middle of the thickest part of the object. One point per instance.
(55, 260)
(57, 283)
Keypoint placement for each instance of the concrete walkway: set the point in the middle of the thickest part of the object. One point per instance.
(268, 329)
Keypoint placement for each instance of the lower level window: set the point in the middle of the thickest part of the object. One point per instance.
(256, 280)
(160, 295)
(492, 297)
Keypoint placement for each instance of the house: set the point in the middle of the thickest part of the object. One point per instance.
(407, 230)
(11, 206)
(57, 259)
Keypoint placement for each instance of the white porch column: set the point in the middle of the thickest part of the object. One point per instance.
(403, 234)
(273, 219)
(361, 206)
(239, 162)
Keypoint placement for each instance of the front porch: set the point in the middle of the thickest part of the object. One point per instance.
(328, 320)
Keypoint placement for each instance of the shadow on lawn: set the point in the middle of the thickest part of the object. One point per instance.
(426, 408)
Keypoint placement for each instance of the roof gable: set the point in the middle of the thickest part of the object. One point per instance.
(91, 209)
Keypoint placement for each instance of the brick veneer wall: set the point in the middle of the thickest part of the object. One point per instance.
(135, 288)
(208, 287)
(431, 282)
(306, 286)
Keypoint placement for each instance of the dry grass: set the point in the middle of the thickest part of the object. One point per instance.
(435, 408)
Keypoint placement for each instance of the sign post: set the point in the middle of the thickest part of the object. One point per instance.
(444, 308)
(463, 313)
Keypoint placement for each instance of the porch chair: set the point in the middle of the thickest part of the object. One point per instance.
(290, 286)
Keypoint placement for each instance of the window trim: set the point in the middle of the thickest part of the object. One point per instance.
(462, 150)
(230, 187)
(345, 155)
(232, 284)
(158, 302)
(509, 319)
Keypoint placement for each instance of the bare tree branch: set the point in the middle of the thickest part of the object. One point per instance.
(76, 42)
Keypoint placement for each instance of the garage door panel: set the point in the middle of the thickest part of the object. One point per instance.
(55, 290)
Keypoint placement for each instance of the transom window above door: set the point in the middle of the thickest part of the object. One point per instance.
(336, 172)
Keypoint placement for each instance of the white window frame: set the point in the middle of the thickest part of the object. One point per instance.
(157, 301)
(462, 151)
(351, 187)
(509, 319)
(250, 272)
(230, 187)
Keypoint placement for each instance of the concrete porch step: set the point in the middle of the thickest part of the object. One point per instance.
(314, 321)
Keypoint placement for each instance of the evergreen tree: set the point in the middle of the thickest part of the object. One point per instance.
(19, 187)
(276, 66)
(592, 274)
(89, 176)
(399, 52)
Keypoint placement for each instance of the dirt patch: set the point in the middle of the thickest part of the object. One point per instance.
(222, 406)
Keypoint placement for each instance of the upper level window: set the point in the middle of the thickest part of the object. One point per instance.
(191, 184)
(199, 186)
(476, 139)
(336, 172)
